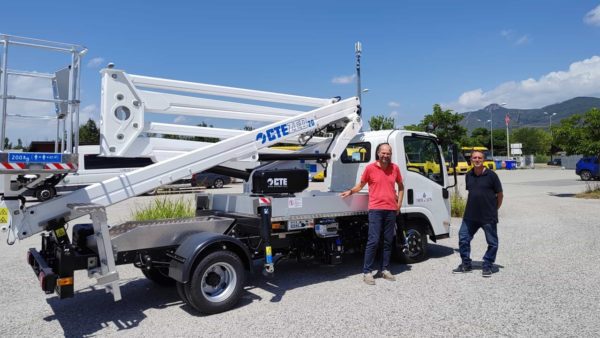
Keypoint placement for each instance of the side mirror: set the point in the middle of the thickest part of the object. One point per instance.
(454, 151)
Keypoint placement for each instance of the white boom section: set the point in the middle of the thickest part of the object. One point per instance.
(344, 113)
(127, 98)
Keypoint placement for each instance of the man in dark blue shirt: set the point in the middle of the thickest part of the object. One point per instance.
(484, 200)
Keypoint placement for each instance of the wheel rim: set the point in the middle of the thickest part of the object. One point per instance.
(413, 243)
(219, 183)
(44, 194)
(218, 282)
(585, 175)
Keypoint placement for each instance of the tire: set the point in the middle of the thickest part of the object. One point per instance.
(159, 276)
(181, 292)
(217, 283)
(585, 175)
(414, 238)
(218, 183)
(44, 193)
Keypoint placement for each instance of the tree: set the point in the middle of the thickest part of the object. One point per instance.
(380, 122)
(89, 134)
(7, 143)
(579, 134)
(444, 124)
(534, 140)
(479, 137)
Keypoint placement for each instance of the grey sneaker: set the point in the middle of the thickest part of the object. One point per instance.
(368, 279)
(486, 271)
(385, 274)
(463, 268)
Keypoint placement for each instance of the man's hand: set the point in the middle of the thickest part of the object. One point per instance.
(346, 193)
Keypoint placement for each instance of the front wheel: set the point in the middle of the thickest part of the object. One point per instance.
(217, 283)
(411, 244)
(585, 175)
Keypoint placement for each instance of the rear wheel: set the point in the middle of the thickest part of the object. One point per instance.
(585, 175)
(159, 276)
(44, 193)
(411, 244)
(218, 183)
(217, 283)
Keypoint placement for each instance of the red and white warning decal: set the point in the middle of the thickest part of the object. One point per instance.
(264, 201)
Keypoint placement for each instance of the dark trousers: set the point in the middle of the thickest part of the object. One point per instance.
(465, 235)
(380, 222)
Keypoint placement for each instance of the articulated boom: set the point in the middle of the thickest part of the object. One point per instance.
(124, 105)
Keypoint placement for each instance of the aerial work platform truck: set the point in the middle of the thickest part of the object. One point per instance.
(276, 217)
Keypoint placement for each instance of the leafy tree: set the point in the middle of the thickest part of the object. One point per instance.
(19, 144)
(7, 143)
(534, 140)
(380, 122)
(444, 124)
(89, 134)
(499, 136)
(579, 134)
(479, 137)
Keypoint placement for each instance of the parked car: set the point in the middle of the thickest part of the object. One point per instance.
(209, 180)
(556, 161)
(588, 168)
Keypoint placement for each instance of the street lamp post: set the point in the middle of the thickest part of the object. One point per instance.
(550, 115)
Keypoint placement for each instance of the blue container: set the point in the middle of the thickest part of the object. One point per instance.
(511, 164)
(498, 164)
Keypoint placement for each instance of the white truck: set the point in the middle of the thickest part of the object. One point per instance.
(207, 258)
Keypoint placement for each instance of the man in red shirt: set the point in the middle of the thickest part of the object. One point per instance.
(384, 205)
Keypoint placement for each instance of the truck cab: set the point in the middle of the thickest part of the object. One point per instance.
(426, 195)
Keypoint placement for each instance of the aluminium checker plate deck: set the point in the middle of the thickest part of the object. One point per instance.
(305, 205)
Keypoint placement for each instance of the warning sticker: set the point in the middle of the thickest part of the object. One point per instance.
(3, 215)
(294, 202)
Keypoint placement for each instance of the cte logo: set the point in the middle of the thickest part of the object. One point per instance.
(277, 182)
(283, 130)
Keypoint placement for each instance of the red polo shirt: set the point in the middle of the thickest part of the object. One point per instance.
(382, 186)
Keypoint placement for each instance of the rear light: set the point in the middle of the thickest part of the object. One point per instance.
(42, 279)
(64, 281)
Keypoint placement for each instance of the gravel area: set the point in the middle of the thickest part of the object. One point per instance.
(547, 284)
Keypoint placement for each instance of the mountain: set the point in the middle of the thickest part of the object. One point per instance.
(528, 117)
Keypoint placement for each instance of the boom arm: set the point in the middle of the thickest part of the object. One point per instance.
(123, 107)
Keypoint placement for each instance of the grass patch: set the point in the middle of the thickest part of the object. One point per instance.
(592, 191)
(457, 205)
(164, 208)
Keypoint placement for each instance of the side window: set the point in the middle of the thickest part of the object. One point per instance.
(357, 153)
(423, 157)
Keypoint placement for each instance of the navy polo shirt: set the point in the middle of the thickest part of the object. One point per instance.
(482, 203)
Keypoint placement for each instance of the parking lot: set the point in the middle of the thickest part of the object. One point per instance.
(547, 284)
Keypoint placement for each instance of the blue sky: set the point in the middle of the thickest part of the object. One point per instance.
(461, 54)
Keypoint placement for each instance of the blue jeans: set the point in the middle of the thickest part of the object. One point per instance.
(465, 235)
(381, 222)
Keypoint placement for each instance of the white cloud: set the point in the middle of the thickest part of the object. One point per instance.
(507, 33)
(343, 79)
(95, 62)
(592, 17)
(90, 111)
(511, 36)
(393, 104)
(180, 119)
(581, 79)
(523, 40)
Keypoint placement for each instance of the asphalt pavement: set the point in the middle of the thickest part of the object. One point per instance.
(547, 284)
